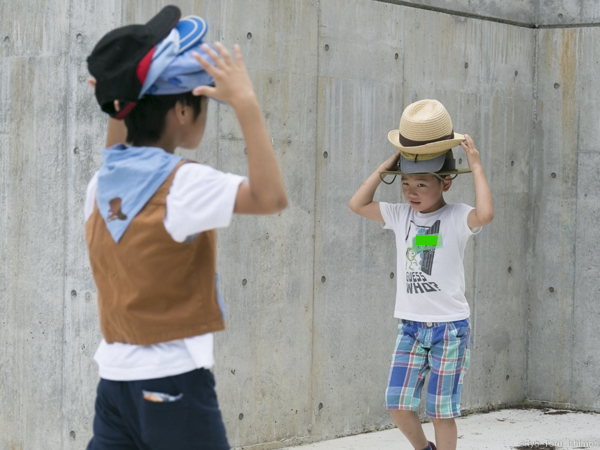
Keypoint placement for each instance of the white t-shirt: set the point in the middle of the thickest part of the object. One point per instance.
(431, 282)
(200, 199)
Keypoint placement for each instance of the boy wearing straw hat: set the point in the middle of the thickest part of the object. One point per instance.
(431, 235)
(150, 228)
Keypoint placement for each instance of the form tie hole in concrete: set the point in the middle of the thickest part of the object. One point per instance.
(241, 416)
(553, 175)
(326, 47)
(396, 56)
(73, 293)
(516, 73)
(392, 275)
(512, 163)
(560, 16)
(6, 40)
(460, 160)
(72, 435)
(244, 282)
(320, 406)
(556, 85)
(325, 155)
(551, 289)
(466, 65)
(507, 377)
(79, 37)
(323, 279)
(249, 36)
(509, 269)
(76, 150)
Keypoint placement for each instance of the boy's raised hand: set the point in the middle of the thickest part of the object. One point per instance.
(391, 163)
(484, 206)
(472, 153)
(232, 83)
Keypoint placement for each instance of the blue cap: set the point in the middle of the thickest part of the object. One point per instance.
(173, 69)
(183, 74)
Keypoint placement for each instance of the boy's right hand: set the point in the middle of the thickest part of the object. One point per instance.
(232, 83)
(391, 163)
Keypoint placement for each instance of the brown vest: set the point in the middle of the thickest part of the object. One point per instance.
(152, 289)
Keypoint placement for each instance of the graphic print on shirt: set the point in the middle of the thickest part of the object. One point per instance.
(420, 262)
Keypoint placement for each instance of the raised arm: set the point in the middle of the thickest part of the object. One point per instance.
(362, 201)
(484, 206)
(265, 192)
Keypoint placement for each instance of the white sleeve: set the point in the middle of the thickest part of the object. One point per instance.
(90, 197)
(392, 214)
(201, 198)
(461, 214)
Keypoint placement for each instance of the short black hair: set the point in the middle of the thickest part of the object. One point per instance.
(146, 122)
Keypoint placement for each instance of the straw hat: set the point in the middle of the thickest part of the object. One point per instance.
(425, 129)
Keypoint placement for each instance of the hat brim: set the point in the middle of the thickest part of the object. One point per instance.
(191, 31)
(430, 165)
(441, 172)
(433, 147)
(162, 23)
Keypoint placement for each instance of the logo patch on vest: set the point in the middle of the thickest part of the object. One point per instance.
(115, 210)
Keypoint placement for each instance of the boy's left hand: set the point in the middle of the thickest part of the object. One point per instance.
(472, 153)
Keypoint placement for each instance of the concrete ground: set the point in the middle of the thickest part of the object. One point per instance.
(542, 429)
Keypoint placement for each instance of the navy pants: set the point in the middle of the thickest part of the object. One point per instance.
(125, 420)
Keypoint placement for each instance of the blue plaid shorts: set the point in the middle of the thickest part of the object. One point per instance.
(442, 348)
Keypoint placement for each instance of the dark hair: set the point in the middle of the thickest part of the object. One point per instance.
(146, 122)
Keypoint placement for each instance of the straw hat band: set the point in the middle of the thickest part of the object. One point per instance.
(410, 143)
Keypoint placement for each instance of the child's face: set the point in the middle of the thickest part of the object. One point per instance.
(424, 193)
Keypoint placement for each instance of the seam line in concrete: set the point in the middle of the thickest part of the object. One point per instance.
(468, 15)
(311, 393)
(528, 254)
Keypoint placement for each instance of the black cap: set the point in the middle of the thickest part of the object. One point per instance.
(121, 59)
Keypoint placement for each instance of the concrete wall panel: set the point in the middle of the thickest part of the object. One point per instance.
(554, 175)
(34, 203)
(563, 304)
(585, 361)
(264, 359)
(522, 12)
(568, 12)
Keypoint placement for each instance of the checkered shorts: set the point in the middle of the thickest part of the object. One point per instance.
(441, 348)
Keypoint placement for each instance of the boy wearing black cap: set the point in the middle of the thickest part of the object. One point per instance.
(150, 221)
(434, 333)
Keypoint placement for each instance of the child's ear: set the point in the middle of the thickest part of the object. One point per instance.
(447, 183)
(179, 110)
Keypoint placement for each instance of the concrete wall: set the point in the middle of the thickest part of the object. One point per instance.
(517, 12)
(563, 258)
(568, 12)
(310, 292)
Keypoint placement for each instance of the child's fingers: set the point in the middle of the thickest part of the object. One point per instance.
(224, 53)
(214, 56)
(469, 140)
(238, 55)
(212, 70)
(92, 82)
(204, 90)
